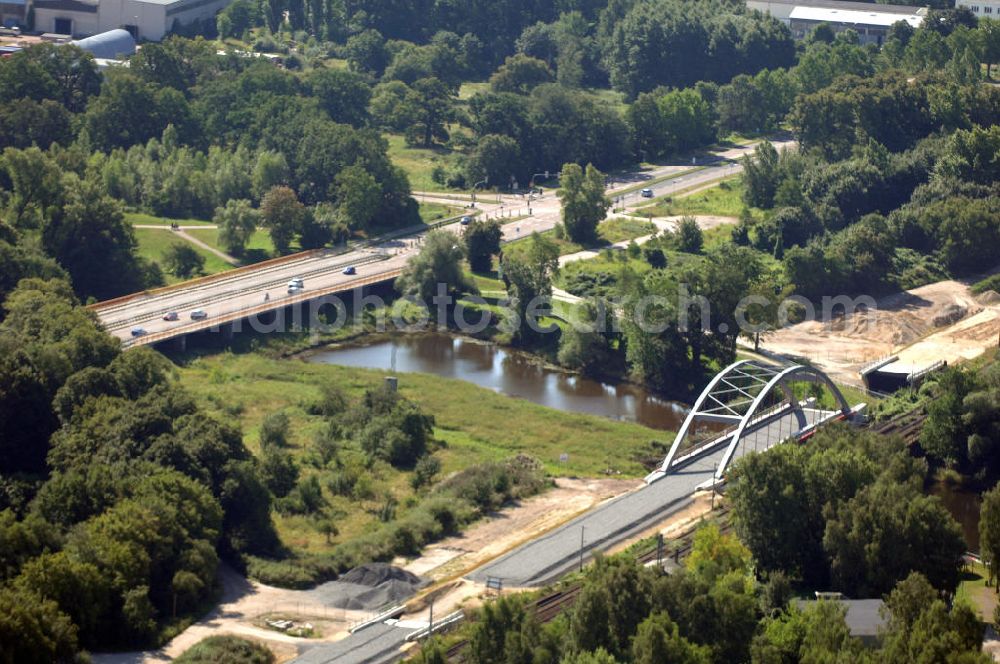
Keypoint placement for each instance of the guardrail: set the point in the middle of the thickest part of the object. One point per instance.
(242, 291)
(215, 280)
(211, 278)
(438, 626)
(246, 312)
(392, 612)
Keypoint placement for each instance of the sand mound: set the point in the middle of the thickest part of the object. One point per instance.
(369, 587)
(990, 297)
(949, 314)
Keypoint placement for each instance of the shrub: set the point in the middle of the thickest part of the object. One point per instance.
(226, 650)
(283, 573)
(274, 429)
(423, 473)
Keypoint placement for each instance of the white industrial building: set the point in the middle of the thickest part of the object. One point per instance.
(144, 19)
(871, 21)
(987, 8)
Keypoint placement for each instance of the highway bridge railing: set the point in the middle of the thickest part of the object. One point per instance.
(247, 312)
(280, 261)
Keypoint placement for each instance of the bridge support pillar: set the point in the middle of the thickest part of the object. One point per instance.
(181, 343)
(227, 331)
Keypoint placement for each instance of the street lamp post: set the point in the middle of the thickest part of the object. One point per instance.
(476, 186)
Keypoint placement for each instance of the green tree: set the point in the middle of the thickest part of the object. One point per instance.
(33, 630)
(91, 240)
(760, 175)
(358, 197)
(714, 554)
(482, 243)
(688, 237)
(130, 110)
(888, 530)
(431, 105)
(658, 640)
(588, 343)
(183, 261)
(344, 95)
(497, 159)
(282, 215)
(237, 17)
(973, 155)
(278, 470)
(237, 222)
(989, 42)
(438, 267)
(270, 170)
(520, 74)
(989, 530)
(366, 52)
(584, 204)
(226, 649)
(36, 186)
(529, 278)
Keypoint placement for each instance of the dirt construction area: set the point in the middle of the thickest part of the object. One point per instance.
(939, 321)
(504, 530)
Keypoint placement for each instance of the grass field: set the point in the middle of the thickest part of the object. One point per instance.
(473, 425)
(258, 248)
(154, 243)
(469, 89)
(610, 232)
(431, 212)
(724, 200)
(141, 218)
(419, 163)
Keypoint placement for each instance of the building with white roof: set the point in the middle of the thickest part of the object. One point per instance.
(987, 8)
(144, 19)
(870, 20)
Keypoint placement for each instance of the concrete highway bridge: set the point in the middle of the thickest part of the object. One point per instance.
(248, 295)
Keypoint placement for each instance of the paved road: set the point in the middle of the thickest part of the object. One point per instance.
(544, 560)
(377, 644)
(235, 294)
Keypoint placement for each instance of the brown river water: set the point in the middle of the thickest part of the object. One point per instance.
(515, 374)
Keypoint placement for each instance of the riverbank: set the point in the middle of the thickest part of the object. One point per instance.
(472, 426)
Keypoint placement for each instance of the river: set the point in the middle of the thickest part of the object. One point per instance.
(507, 372)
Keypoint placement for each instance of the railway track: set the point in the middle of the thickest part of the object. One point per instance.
(548, 607)
(907, 425)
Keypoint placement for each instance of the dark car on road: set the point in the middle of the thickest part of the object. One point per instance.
(350, 270)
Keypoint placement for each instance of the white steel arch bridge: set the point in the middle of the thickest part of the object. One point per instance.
(752, 406)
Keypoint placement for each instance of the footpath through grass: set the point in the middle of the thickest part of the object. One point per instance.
(611, 231)
(154, 244)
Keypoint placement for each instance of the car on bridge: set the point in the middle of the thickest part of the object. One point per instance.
(350, 271)
(170, 316)
(646, 193)
(296, 285)
(138, 332)
(199, 314)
